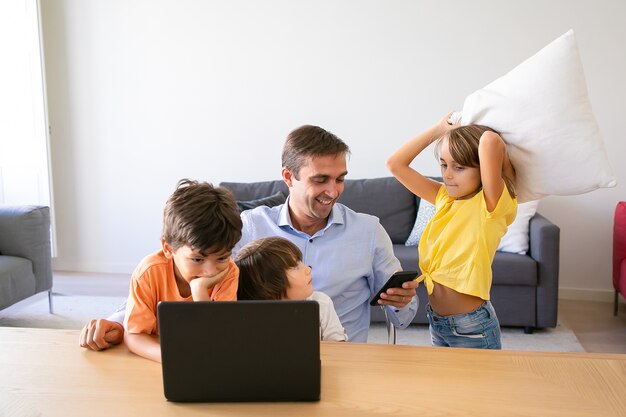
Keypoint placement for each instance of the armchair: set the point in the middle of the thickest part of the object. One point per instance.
(25, 256)
(619, 252)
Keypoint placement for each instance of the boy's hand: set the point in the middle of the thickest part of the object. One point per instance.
(101, 334)
(200, 286)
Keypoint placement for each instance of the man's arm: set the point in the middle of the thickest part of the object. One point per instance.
(401, 302)
(403, 312)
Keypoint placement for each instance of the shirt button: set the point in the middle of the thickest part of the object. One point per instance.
(310, 240)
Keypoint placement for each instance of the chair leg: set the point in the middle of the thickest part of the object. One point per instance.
(50, 305)
(615, 304)
(391, 329)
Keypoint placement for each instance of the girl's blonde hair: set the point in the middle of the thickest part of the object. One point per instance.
(463, 144)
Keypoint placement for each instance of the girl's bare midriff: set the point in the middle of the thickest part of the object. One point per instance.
(446, 302)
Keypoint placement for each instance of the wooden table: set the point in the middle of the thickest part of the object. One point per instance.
(44, 372)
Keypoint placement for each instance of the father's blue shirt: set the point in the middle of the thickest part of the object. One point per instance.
(351, 259)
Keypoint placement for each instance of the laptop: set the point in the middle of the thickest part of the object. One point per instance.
(240, 350)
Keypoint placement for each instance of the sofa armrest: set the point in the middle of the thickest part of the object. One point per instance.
(25, 232)
(544, 249)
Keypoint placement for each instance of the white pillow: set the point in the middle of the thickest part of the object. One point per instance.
(542, 110)
(516, 238)
(425, 211)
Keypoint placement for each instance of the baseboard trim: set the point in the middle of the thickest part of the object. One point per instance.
(586, 294)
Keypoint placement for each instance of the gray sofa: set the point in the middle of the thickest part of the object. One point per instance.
(525, 287)
(25, 257)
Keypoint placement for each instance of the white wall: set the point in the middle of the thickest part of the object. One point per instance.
(143, 93)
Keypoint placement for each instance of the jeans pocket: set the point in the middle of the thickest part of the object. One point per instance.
(473, 329)
(477, 335)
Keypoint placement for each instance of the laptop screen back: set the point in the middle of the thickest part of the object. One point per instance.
(240, 351)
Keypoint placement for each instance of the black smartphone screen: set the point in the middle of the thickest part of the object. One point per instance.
(395, 281)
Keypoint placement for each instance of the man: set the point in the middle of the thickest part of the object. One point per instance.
(350, 253)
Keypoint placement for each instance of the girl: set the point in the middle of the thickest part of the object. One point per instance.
(474, 206)
(271, 268)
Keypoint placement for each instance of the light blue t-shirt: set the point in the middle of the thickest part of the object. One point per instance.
(351, 259)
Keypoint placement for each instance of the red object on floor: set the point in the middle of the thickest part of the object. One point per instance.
(619, 252)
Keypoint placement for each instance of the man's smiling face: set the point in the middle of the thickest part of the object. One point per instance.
(316, 189)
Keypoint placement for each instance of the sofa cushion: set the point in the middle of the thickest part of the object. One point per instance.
(269, 201)
(247, 191)
(17, 280)
(515, 305)
(517, 237)
(25, 233)
(407, 255)
(514, 269)
(425, 212)
(386, 199)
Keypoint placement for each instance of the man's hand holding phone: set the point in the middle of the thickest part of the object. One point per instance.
(398, 291)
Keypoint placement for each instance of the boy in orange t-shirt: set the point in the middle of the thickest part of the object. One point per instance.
(201, 225)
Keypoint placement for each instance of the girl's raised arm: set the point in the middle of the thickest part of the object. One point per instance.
(494, 164)
(399, 162)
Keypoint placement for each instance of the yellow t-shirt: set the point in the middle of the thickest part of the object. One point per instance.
(460, 241)
(154, 281)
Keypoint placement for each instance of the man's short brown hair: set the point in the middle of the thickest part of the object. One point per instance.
(202, 217)
(308, 141)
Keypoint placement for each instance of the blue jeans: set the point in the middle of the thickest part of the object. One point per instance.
(478, 329)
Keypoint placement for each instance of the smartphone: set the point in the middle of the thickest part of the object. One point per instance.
(395, 281)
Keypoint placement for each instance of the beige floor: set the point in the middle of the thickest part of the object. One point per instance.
(595, 326)
(593, 322)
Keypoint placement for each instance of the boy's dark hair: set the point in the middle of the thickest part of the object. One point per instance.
(202, 217)
(307, 141)
(263, 265)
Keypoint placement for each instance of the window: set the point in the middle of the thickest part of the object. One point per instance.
(24, 158)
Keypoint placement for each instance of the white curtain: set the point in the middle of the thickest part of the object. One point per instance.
(24, 158)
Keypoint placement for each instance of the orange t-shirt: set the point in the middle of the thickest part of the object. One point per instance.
(154, 281)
